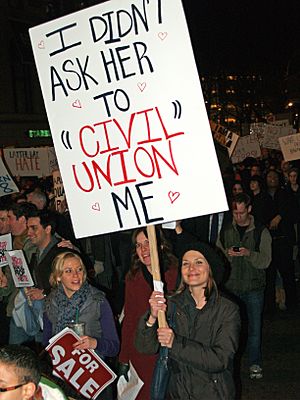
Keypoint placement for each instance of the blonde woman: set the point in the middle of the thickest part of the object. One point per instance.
(73, 298)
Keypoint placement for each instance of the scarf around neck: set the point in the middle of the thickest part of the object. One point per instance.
(68, 308)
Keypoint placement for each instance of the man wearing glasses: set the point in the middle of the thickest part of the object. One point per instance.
(20, 376)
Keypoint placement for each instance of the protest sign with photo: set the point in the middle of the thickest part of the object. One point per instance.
(247, 146)
(19, 268)
(290, 147)
(7, 185)
(133, 145)
(82, 369)
(5, 245)
(225, 137)
(30, 161)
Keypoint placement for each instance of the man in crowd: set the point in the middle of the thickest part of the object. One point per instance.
(41, 233)
(17, 216)
(247, 245)
(20, 376)
(4, 223)
(38, 198)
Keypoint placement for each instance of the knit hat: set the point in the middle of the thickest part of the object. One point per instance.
(214, 260)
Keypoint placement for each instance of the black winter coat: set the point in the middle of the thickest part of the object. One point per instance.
(201, 358)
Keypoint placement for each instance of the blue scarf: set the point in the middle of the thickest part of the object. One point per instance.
(69, 307)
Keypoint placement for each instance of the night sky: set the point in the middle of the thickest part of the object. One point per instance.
(243, 35)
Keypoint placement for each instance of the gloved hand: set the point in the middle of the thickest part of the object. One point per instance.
(123, 370)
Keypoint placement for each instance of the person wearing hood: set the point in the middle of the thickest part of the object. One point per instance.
(205, 331)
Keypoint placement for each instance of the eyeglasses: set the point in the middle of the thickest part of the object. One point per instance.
(8, 389)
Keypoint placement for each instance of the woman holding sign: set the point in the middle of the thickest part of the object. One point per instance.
(205, 333)
(138, 288)
(74, 303)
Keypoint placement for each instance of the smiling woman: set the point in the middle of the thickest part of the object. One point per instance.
(138, 288)
(73, 300)
(205, 330)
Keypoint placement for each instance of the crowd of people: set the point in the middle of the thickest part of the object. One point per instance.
(222, 274)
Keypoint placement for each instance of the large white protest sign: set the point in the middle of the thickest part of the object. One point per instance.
(7, 185)
(30, 161)
(290, 147)
(127, 116)
(247, 146)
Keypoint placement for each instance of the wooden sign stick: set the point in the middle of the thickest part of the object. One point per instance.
(162, 322)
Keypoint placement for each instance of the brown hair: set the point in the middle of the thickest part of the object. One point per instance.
(167, 257)
(211, 284)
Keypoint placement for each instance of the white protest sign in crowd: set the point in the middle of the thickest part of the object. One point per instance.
(272, 133)
(7, 185)
(127, 116)
(290, 147)
(30, 161)
(247, 146)
(19, 268)
(5, 245)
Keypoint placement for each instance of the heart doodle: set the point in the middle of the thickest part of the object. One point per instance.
(96, 207)
(173, 196)
(41, 44)
(142, 86)
(76, 104)
(162, 35)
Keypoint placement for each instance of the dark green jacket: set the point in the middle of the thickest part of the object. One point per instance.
(247, 273)
(203, 350)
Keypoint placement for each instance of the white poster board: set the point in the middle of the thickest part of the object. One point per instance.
(7, 185)
(290, 147)
(5, 245)
(30, 161)
(19, 269)
(127, 116)
(272, 133)
(247, 146)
